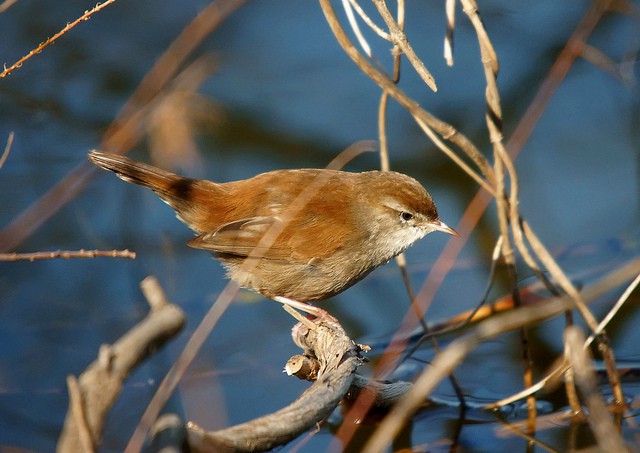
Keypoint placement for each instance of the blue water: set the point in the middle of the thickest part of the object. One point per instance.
(287, 97)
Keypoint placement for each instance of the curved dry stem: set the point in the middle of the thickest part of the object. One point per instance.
(7, 149)
(445, 130)
(607, 434)
(615, 279)
(400, 40)
(348, 4)
(453, 355)
(450, 9)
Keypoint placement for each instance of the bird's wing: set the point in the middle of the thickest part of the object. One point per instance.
(243, 237)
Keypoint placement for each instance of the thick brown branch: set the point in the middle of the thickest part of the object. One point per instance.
(100, 384)
(338, 357)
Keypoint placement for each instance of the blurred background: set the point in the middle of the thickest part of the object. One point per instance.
(270, 89)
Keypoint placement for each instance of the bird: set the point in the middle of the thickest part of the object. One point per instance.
(298, 235)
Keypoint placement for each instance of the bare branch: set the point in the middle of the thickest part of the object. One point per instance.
(67, 254)
(338, 357)
(445, 130)
(54, 38)
(101, 382)
(400, 39)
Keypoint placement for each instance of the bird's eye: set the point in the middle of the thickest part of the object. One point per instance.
(406, 216)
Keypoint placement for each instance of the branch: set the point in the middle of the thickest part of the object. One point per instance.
(67, 254)
(97, 389)
(322, 339)
(54, 38)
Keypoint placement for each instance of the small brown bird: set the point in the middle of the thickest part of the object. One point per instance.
(328, 229)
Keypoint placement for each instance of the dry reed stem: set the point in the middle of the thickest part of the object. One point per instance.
(450, 11)
(349, 6)
(350, 153)
(67, 254)
(400, 40)
(571, 291)
(532, 441)
(571, 391)
(607, 434)
(523, 130)
(525, 124)
(453, 355)
(87, 14)
(7, 149)
(445, 130)
(563, 366)
(455, 158)
(6, 5)
(506, 212)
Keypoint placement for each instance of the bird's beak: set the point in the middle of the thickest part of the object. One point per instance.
(441, 226)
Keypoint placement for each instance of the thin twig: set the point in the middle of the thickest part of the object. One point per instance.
(603, 343)
(507, 213)
(382, 131)
(400, 39)
(7, 149)
(455, 158)
(67, 254)
(350, 153)
(530, 439)
(87, 14)
(349, 6)
(444, 129)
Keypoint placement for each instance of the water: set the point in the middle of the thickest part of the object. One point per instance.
(285, 96)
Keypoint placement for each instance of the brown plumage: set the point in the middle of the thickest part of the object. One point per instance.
(343, 226)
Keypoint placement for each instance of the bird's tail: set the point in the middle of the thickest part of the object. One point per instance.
(182, 194)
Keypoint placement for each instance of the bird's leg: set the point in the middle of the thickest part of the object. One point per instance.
(302, 306)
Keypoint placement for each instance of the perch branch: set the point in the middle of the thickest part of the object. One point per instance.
(100, 384)
(338, 357)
